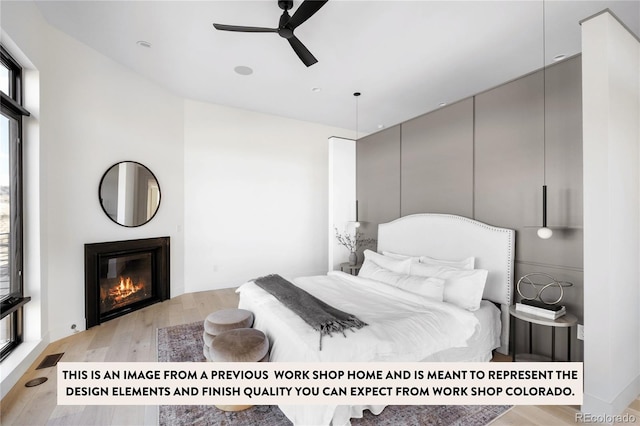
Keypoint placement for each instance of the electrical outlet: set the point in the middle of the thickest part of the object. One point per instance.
(580, 335)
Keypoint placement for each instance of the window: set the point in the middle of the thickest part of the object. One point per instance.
(11, 289)
(4, 80)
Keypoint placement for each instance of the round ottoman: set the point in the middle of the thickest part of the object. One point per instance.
(227, 319)
(239, 345)
(223, 320)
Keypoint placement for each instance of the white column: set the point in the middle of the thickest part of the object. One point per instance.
(611, 133)
(342, 195)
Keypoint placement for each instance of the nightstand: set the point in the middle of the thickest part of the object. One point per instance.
(351, 269)
(566, 321)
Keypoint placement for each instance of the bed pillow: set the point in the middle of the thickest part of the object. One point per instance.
(462, 287)
(401, 266)
(430, 287)
(400, 256)
(467, 263)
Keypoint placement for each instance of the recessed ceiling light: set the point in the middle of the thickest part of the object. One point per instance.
(242, 70)
(559, 57)
(316, 89)
(442, 104)
(380, 126)
(143, 43)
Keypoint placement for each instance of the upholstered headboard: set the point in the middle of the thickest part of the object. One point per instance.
(446, 236)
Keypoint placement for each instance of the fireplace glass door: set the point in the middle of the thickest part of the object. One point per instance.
(125, 280)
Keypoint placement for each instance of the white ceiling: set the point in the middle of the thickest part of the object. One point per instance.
(406, 57)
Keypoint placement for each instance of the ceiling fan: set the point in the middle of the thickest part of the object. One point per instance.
(286, 26)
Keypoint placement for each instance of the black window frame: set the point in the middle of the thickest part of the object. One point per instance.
(11, 107)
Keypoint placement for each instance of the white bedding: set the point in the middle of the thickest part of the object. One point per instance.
(402, 327)
(479, 346)
(479, 349)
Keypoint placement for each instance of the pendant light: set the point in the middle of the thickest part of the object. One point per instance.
(356, 223)
(544, 232)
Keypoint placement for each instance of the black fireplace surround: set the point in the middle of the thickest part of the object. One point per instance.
(124, 276)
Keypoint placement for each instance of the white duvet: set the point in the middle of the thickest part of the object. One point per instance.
(402, 326)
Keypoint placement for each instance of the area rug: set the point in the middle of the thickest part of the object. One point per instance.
(183, 343)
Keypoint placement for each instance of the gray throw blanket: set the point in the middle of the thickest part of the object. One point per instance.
(320, 316)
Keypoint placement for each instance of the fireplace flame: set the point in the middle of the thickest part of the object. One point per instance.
(125, 288)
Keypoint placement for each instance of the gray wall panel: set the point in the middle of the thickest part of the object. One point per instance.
(378, 179)
(509, 167)
(437, 162)
(420, 167)
(508, 157)
(564, 164)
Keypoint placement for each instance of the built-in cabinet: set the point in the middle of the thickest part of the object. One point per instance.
(487, 157)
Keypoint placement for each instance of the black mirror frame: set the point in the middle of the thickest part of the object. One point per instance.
(101, 200)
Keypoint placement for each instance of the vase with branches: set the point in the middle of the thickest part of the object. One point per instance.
(353, 241)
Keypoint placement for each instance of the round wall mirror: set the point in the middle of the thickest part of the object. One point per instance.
(129, 194)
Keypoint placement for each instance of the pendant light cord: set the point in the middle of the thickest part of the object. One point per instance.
(544, 100)
(544, 232)
(357, 94)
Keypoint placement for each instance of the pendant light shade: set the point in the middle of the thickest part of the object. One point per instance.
(356, 223)
(544, 232)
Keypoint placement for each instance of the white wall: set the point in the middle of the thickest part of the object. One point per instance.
(342, 196)
(611, 107)
(91, 113)
(255, 196)
(243, 194)
(94, 114)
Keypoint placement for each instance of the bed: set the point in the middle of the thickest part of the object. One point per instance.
(404, 324)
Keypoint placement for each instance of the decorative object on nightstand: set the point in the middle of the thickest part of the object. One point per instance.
(534, 307)
(532, 288)
(539, 307)
(353, 241)
(349, 268)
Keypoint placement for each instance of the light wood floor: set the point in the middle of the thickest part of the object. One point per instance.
(133, 338)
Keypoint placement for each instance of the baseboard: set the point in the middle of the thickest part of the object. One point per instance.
(18, 362)
(58, 332)
(597, 407)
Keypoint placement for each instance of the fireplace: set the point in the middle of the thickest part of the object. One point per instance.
(123, 276)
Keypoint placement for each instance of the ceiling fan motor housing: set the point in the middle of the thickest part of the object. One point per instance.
(285, 4)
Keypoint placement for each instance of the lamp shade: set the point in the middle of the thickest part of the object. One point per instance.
(545, 233)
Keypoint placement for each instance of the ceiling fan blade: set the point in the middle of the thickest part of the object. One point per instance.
(242, 29)
(303, 53)
(305, 11)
